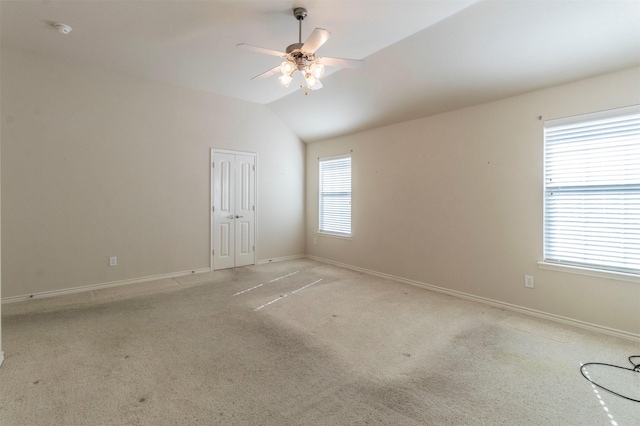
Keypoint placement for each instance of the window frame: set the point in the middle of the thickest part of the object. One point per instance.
(584, 266)
(330, 232)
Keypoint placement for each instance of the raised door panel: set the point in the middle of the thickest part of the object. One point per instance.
(223, 211)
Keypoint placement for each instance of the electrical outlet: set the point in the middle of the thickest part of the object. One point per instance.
(528, 281)
(113, 261)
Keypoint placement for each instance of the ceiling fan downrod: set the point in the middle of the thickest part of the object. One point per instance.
(300, 13)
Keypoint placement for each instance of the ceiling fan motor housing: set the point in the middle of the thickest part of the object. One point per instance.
(293, 47)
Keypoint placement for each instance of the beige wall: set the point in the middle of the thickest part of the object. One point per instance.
(1, 352)
(98, 164)
(455, 201)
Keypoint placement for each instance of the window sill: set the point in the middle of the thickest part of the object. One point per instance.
(338, 236)
(589, 272)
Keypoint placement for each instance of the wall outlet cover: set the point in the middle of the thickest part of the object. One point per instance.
(528, 281)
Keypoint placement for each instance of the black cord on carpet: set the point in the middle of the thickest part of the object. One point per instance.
(636, 369)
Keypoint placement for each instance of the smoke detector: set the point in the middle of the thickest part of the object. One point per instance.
(62, 28)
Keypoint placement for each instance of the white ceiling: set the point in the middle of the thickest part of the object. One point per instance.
(422, 57)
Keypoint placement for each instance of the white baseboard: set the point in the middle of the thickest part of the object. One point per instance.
(495, 303)
(100, 286)
(281, 259)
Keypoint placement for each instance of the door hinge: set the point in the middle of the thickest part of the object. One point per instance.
(213, 165)
(254, 208)
(254, 248)
(213, 252)
(254, 167)
(213, 208)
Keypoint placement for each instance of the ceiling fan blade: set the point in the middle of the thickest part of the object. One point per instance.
(317, 38)
(341, 62)
(261, 50)
(267, 74)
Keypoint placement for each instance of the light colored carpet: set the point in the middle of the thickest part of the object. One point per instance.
(311, 344)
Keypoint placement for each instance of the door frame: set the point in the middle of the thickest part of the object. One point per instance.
(255, 202)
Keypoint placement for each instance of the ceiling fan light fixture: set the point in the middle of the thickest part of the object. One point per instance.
(311, 80)
(287, 67)
(285, 79)
(317, 70)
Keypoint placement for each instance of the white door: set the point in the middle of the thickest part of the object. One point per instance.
(233, 210)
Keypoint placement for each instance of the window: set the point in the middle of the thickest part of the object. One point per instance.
(335, 195)
(592, 191)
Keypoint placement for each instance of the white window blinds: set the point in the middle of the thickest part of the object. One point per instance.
(592, 191)
(335, 195)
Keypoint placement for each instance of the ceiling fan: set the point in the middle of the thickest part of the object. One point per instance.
(301, 57)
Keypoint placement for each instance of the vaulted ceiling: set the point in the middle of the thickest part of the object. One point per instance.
(422, 57)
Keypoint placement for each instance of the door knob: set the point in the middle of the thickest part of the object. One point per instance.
(238, 217)
(230, 217)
